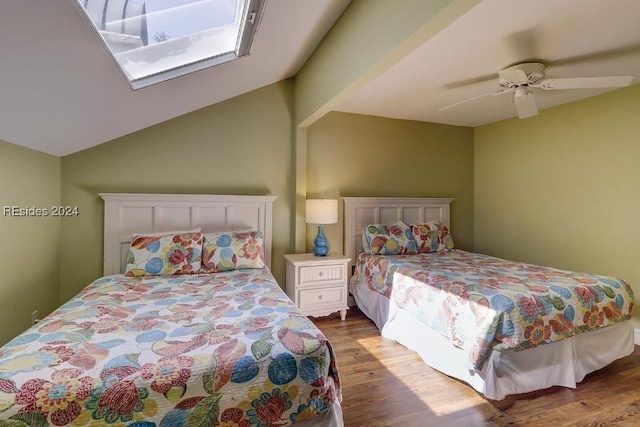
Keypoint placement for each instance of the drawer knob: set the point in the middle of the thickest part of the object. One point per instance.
(320, 296)
(321, 273)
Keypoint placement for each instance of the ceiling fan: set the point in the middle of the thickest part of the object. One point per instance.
(520, 79)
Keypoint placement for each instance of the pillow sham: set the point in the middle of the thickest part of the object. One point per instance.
(385, 239)
(232, 250)
(153, 255)
(432, 236)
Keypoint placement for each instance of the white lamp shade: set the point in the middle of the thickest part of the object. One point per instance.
(322, 211)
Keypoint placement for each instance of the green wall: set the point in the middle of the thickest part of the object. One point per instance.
(357, 155)
(557, 189)
(240, 146)
(563, 188)
(30, 249)
(369, 37)
(245, 146)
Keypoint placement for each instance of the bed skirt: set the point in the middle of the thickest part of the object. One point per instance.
(562, 363)
(332, 417)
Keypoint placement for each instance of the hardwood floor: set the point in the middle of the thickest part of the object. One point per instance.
(385, 384)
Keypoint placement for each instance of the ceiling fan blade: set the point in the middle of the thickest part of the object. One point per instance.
(494, 93)
(585, 82)
(525, 103)
(471, 81)
(625, 53)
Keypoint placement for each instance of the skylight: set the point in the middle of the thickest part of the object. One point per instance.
(155, 40)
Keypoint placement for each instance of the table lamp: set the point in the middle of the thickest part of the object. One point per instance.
(321, 212)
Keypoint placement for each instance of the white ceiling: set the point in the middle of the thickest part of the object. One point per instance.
(60, 93)
(574, 38)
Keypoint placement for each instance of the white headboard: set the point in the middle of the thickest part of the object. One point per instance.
(360, 211)
(125, 214)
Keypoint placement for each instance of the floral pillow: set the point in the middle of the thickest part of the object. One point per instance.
(171, 254)
(384, 239)
(432, 237)
(232, 250)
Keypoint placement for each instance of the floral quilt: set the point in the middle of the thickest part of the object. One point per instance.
(224, 349)
(482, 303)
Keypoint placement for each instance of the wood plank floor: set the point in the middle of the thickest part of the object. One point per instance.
(385, 384)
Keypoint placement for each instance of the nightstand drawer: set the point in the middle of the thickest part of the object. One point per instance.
(322, 274)
(318, 284)
(312, 298)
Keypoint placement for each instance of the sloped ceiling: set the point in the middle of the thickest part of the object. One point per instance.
(60, 92)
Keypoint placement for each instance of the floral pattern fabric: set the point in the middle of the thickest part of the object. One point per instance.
(224, 349)
(432, 236)
(482, 303)
(385, 239)
(232, 250)
(152, 254)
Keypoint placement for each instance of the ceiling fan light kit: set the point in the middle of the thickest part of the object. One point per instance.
(525, 102)
(521, 78)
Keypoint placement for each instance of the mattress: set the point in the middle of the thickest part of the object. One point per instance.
(225, 348)
(482, 303)
(561, 363)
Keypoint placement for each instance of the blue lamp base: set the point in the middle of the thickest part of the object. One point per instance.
(320, 248)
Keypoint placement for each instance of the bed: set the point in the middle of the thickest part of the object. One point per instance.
(502, 327)
(219, 344)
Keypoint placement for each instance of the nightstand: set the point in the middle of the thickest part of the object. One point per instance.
(318, 284)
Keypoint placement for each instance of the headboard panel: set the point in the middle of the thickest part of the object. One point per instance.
(360, 211)
(125, 214)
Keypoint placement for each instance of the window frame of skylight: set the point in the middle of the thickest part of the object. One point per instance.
(251, 16)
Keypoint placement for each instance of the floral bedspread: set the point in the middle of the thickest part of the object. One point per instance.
(482, 303)
(225, 349)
